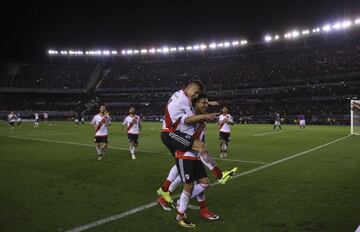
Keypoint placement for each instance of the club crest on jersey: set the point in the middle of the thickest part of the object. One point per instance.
(187, 176)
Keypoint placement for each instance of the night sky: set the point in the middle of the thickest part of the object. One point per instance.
(29, 29)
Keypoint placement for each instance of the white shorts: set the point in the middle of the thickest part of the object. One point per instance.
(277, 123)
(302, 122)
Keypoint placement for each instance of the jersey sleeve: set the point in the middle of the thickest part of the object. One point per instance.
(125, 121)
(93, 121)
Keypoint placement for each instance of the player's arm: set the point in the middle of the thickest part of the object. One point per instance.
(201, 118)
(93, 122)
(123, 125)
(231, 121)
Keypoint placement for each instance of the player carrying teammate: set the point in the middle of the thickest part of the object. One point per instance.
(133, 124)
(101, 122)
(277, 121)
(225, 120)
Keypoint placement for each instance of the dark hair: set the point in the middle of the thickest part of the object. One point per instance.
(198, 98)
(196, 82)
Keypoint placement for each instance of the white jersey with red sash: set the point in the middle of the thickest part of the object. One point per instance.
(197, 131)
(224, 121)
(132, 123)
(101, 125)
(178, 105)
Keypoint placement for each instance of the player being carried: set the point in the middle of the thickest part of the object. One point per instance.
(225, 120)
(101, 122)
(133, 124)
(12, 119)
(277, 121)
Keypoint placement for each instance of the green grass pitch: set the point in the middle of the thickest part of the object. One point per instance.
(51, 180)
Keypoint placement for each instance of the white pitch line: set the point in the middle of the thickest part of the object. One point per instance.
(152, 204)
(241, 161)
(275, 132)
(121, 148)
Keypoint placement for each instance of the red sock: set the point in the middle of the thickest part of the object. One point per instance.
(165, 186)
(217, 172)
(202, 204)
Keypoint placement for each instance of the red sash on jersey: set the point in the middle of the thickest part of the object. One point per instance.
(132, 123)
(102, 122)
(222, 123)
(169, 125)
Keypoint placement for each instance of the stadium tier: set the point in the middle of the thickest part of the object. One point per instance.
(316, 76)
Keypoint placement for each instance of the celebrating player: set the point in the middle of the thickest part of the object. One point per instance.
(133, 130)
(36, 123)
(301, 119)
(101, 122)
(225, 120)
(12, 120)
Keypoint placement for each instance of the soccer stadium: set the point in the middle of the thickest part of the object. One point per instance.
(220, 124)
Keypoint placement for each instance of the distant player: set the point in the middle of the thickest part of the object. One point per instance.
(301, 119)
(46, 117)
(36, 123)
(101, 122)
(133, 124)
(12, 119)
(18, 115)
(82, 119)
(277, 121)
(225, 120)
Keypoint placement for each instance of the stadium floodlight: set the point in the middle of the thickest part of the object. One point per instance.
(277, 37)
(326, 28)
(159, 50)
(63, 52)
(243, 42)
(357, 21)
(268, 38)
(113, 52)
(196, 47)
(295, 34)
(152, 50)
(189, 48)
(165, 50)
(143, 51)
(226, 44)
(336, 26)
(203, 46)
(123, 52)
(287, 35)
(316, 30)
(173, 49)
(181, 49)
(220, 45)
(129, 52)
(106, 52)
(212, 45)
(235, 43)
(136, 51)
(305, 32)
(346, 24)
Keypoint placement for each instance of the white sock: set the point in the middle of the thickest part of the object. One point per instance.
(223, 147)
(199, 188)
(103, 150)
(173, 174)
(184, 201)
(207, 160)
(98, 150)
(174, 184)
(132, 149)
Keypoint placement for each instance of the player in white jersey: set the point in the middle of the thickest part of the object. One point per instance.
(18, 115)
(133, 123)
(12, 119)
(101, 122)
(46, 117)
(225, 120)
(36, 122)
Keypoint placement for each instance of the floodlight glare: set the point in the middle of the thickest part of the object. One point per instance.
(226, 44)
(268, 38)
(235, 43)
(203, 46)
(189, 48)
(326, 27)
(212, 45)
(243, 42)
(181, 49)
(346, 24)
